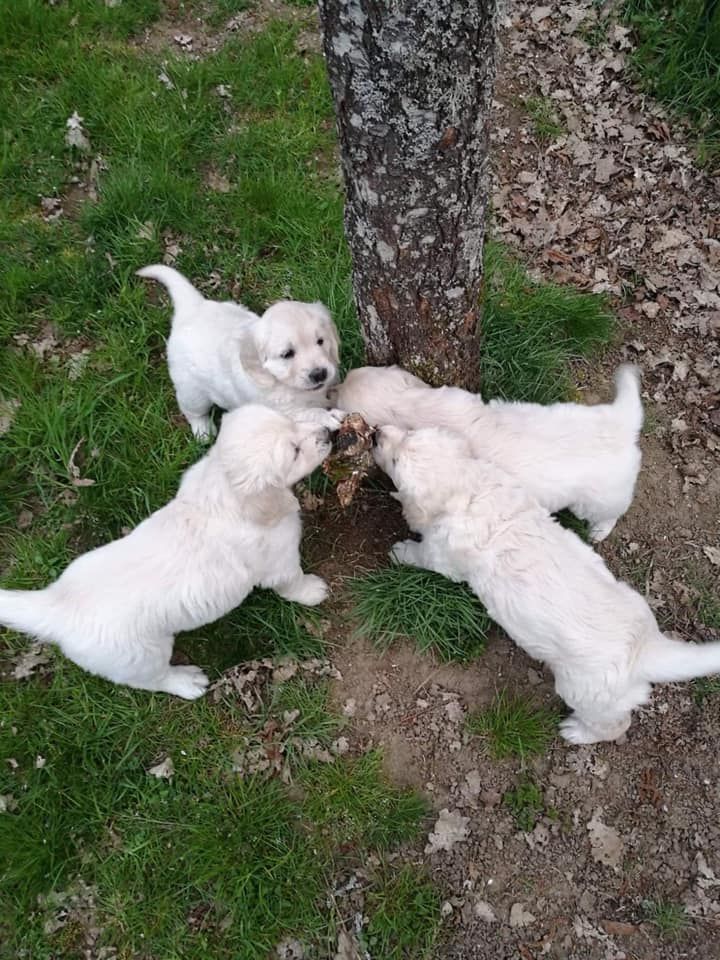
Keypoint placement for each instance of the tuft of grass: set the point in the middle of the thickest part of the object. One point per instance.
(352, 804)
(525, 802)
(514, 726)
(406, 602)
(568, 520)
(532, 330)
(708, 608)
(669, 919)
(404, 916)
(677, 59)
(544, 117)
(705, 688)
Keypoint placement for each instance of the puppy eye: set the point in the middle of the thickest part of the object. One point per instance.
(321, 342)
(288, 355)
(297, 451)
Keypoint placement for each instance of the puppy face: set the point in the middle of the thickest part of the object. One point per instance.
(261, 448)
(296, 345)
(425, 466)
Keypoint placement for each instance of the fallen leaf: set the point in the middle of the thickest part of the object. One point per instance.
(347, 947)
(606, 845)
(713, 555)
(520, 917)
(8, 409)
(52, 208)
(28, 662)
(76, 135)
(74, 471)
(8, 803)
(163, 770)
(540, 13)
(450, 828)
(219, 183)
(605, 167)
(484, 911)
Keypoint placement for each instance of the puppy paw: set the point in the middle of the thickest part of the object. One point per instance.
(310, 590)
(405, 552)
(203, 428)
(574, 731)
(186, 682)
(332, 419)
(599, 531)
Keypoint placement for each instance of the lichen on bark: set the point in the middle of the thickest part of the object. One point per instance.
(412, 82)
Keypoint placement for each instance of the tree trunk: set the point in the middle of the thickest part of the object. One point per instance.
(412, 82)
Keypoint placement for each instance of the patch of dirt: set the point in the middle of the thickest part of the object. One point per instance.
(338, 544)
(192, 35)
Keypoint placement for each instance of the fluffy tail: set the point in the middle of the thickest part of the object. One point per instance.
(627, 396)
(664, 660)
(182, 293)
(28, 611)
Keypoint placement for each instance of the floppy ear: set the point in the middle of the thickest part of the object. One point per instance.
(251, 362)
(258, 482)
(333, 337)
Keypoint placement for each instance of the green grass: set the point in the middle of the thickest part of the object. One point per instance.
(708, 608)
(568, 520)
(532, 330)
(544, 117)
(526, 804)
(677, 59)
(404, 916)
(669, 919)
(259, 856)
(405, 602)
(514, 726)
(352, 807)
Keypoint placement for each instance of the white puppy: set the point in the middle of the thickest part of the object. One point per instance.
(564, 454)
(233, 525)
(221, 354)
(549, 591)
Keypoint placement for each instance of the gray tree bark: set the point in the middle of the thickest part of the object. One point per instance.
(412, 82)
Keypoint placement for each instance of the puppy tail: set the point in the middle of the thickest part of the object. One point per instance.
(28, 611)
(664, 660)
(182, 293)
(627, 396)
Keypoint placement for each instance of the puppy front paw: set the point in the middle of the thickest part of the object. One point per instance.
(574, 731)
(186, 682)
(309, 590)
(406, 552)
(333, 419)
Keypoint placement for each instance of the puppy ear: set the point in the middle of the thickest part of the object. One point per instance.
(333, 337)
(251, 362)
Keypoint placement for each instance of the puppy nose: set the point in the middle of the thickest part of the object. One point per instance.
(376, 436)
(318, 375)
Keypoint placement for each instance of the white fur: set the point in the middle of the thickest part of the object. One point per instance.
(223, 355)
(234, 525)
(548, 590)
(564, 454)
